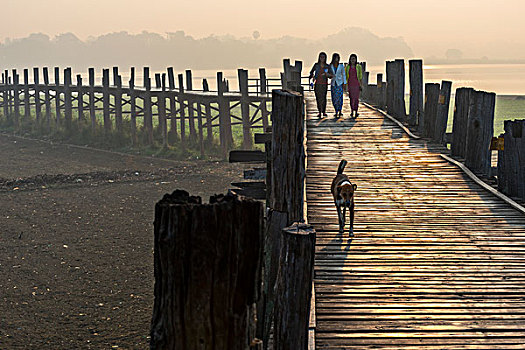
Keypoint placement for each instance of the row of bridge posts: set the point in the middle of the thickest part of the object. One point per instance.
(471, 140)
(189, 110)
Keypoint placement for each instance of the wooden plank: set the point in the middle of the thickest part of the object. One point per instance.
(241, 156)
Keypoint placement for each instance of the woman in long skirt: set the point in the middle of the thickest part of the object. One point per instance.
(320, 72)
(338, 84)
(354, 77)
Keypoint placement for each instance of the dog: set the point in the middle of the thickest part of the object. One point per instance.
(343, 191)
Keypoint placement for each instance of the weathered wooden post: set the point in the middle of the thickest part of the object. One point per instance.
(426, 128)
(381, 91)
(286, 190)
(92, 100)
(182, 107)
(480, 130)
(68, 98)
(161, 106)
(117, 82)
(27, 103)
(47, 97)
(106, 101)
(80, 98)
(173, 107)
(207, 261)
(416, 91)
(133, 107)
(366, 92)
(390, 86)
(148, 114)
(294, 287)
(38, 103)
(245, 109)
(511, 160)
(191, 109)
(399, 90)
(264, 91)
(460, 122)
(209, 119)
(200, 125)
(443, 108)
(57, 97)
(16, 97)
(6, 96)
(225, 127)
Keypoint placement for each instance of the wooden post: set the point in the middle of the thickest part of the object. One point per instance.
(480, 130)
(264, 91)
(511, 160)
(80, 98)
(390, 86)
(294, 287)
(27, 103)
(6, 96)
(416, 91)
(133, 107)
(16, 97)
(201, 131)
(443, 108)
(148, 114)
(381, 91)
(365, 92)
(161, 106)
(426, 128)
(181, 111)
(399, 90)
(117, 82)
(105, 101)
(92, 103)
(286, 189)
(38, 103)
(68, 102)
(224, 115)
(207, 260)
(460, 122)
(191, 109)
(47, 97)
(57, 97)
(245, 109)
(173, 106)
(209, 122)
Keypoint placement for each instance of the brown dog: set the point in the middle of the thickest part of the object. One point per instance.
(343, 192)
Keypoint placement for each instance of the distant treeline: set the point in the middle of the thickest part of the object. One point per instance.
(182, 51)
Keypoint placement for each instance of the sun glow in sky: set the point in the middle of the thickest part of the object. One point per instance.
(477, 27)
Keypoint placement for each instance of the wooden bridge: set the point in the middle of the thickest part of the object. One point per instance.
(437, 262)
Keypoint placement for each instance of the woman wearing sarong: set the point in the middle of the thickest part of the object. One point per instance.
(354, 77)
(338, 84)
(320, 72)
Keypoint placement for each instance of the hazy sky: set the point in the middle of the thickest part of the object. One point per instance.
(479, 27)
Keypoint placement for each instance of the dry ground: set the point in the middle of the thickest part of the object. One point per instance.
(76, 245)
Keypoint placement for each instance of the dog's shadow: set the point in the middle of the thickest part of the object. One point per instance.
(334, 256)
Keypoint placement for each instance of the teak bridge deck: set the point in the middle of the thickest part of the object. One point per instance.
(437, 262)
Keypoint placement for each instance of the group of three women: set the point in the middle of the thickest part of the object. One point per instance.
(343, 77)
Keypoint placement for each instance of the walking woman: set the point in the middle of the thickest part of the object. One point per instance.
(338, 84)
(354, 77)
(321, 72)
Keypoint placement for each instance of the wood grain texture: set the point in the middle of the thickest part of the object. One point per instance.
(436, 262)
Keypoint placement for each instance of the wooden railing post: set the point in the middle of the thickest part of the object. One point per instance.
(173, 107)
(117, 82)
(207, 260)
(68, 103)
(460, 122)
(245, 109)
(294, 287)
(148, 117)
(390, 86)
(480, 131)
(161, 105)
(133, 107)
(511, 160)
(6, 101)
(286, 200)
(416, 91)
(80, 98)
(105, 101)
(38, 104)
(191, 109)
(264, 91)
(92, 103)
(225, 128)
(442, 112)
(58, 102)
(16, 97)
(381, 91)
(399, 92)
(47, 97)
(182, 108)
(209, 122)
(27, 103)
(426, 128)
